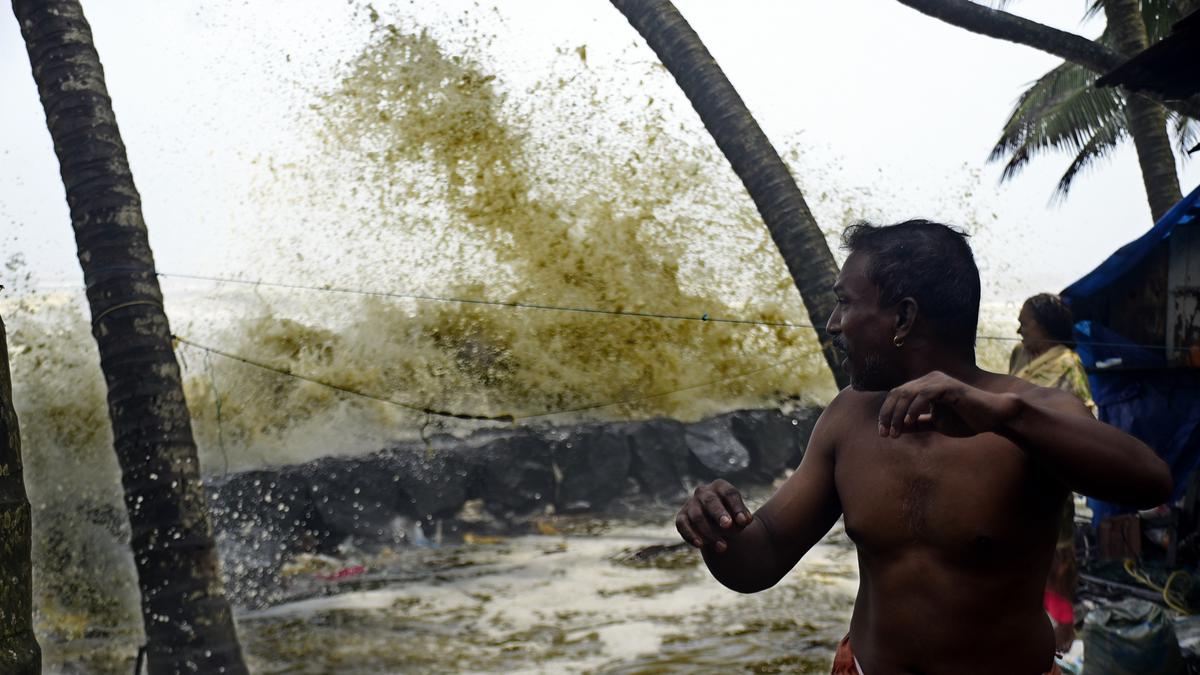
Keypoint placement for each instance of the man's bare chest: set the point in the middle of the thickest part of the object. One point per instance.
(971, 496)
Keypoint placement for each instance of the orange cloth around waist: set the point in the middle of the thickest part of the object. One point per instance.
(843, 659)
(844, 663)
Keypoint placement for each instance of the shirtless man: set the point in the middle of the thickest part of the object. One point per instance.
(950, 479)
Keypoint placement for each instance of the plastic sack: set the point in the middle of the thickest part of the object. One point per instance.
(1130, 637)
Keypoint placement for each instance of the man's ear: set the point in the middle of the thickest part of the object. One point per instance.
(906, 317)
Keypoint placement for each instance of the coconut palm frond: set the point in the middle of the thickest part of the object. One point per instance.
(1100, 145)
(1158, 15)
(1060, 111)
(1187, 132)
(1047, 91)
(1063, 111)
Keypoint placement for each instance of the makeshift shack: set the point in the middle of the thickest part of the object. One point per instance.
(1138, 335)
(1169, 67)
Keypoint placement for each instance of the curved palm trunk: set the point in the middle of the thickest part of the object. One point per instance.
(1002, 25)
(188, 623)
(19, 651)
(755, 161)
(1146, 119)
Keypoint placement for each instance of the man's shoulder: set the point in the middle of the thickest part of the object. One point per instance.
(849, 410)
(853, 404)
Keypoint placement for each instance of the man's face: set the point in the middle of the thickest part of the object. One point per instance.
(862, 330)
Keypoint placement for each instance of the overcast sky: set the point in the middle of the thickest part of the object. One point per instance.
(894, 100)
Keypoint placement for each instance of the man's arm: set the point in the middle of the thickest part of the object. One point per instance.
(752, 553)
(1088, 456)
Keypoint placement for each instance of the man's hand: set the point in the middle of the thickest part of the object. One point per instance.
(713, 512)
(938, 402)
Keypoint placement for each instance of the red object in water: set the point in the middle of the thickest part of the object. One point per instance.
(343, 573)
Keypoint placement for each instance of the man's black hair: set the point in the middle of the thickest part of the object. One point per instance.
(929, 262)
(1053, 315)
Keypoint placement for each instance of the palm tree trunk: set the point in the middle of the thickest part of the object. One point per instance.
(1005, 26)
(188, 622)
(19, 651)
(1146, 119)
(755, 161)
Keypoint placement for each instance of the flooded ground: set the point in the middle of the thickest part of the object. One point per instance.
(558, 604)
(578, 599)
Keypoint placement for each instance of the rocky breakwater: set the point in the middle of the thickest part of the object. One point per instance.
(493, 482)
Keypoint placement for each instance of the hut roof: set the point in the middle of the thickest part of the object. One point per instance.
(1170, 67)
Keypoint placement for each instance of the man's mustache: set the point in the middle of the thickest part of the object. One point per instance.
(840, 344)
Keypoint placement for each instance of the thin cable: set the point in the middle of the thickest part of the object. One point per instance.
(1174, 599)
(495, 303)
(583, 310)
(338, 387)
(212, 377)
(123, 305)
(666, 393)
(465, 416)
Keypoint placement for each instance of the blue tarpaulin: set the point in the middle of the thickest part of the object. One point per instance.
(1141, 394)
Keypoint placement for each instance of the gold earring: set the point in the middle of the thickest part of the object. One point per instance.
(898, 341)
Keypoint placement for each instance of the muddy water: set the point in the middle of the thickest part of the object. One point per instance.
(578, 599)
(559, 604)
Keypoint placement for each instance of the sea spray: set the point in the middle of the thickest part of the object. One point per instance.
(422, 175)
(84, 583)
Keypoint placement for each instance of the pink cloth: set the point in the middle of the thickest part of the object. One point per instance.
(1059, 608)
(844, 662)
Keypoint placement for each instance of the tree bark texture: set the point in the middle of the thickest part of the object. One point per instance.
(188, 623)
(19, 650)
(1146, 119)
(754, 160)
(1005, 26)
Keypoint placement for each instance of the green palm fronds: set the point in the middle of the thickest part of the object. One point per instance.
(1104, 140)
(1158, 15)
(1063, 111)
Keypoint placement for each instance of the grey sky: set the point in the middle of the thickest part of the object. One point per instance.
(903, 106)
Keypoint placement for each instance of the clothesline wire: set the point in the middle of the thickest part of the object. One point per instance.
(331, 385)
(496, 303)
(698, 385)
(706, 318)
(466, 416)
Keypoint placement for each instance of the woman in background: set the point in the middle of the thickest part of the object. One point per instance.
(1046, 339)
(1046, 357)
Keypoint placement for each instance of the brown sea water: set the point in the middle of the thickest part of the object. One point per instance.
(417, 168)
(567, 602)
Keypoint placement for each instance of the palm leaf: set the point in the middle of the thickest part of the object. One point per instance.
(1063, 111)
(1187, 132)
(1103, 141)
(1060, 111)
(1158, 15)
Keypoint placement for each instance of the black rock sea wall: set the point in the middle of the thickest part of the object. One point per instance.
(488, 481)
